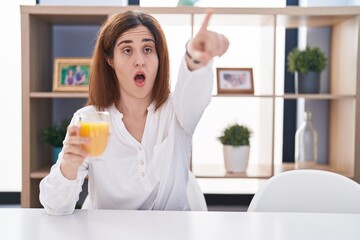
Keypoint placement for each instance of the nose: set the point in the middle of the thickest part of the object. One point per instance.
(139, 60)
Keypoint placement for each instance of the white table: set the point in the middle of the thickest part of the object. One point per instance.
(35, 224)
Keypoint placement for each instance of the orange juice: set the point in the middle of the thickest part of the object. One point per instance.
(98, 133)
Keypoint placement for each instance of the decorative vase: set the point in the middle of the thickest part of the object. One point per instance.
(306, 144)
(307, 82)
(236, 158)
(56, 151)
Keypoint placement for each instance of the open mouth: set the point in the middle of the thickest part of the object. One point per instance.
(139, 79)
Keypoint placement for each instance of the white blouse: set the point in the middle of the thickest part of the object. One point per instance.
(150, 175)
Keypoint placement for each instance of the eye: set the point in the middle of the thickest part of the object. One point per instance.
(127, 51)
(147, 49)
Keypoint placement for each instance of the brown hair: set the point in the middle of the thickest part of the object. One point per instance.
(104, 86)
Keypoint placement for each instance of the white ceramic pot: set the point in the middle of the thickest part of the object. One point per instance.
(236, 158)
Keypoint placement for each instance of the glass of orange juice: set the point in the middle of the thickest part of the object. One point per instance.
(96, 127)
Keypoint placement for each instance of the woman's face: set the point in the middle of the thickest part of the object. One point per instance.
(136, 63)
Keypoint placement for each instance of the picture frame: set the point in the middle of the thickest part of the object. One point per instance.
(235, 80)
(71, 74)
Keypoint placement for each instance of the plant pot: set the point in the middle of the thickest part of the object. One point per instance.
(236, 158)
(307, 82)
(56, 151)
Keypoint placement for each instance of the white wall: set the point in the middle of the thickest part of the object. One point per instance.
(10, 95)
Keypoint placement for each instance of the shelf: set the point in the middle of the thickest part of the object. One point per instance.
(58, 95)
(328, 12)
(243, 95)
(218, 171)
(41, 107)
(291, 96)
(290, 17)
(255, 171)
(41, 173)
(316, 96)
(291, 166)
(310, 21)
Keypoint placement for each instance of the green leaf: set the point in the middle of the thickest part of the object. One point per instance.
(310, 59)
(236, 135)
(55, 134)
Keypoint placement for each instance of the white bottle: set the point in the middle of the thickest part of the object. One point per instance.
(306, 144)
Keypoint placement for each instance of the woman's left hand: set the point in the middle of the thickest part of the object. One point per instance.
(205, 45)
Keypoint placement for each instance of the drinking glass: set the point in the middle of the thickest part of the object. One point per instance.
(96, 127)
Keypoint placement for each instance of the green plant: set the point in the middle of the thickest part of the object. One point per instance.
(55, 134)
(303, 61)
(236, 135)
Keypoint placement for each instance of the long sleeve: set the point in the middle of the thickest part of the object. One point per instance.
(192, 95)
(59, 195)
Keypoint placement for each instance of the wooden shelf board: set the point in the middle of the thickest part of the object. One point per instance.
(59, 95)
(40, 173)
(256, 171)
(290, 96)
(202, 171)
(316, 96)
(218, 171)
(291, 166)
(101, 10)
(291, 17)
(310, 21)
(243, 95)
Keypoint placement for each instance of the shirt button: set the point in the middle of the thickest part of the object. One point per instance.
(140, 148)
(141, 162)
(142, 174)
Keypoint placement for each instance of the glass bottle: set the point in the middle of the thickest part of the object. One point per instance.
(305, 144)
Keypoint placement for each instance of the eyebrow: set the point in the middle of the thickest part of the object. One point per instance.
(131, 41)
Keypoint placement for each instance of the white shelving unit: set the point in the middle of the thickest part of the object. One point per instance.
(39, 102)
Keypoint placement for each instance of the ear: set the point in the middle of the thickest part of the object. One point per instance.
(110, 61)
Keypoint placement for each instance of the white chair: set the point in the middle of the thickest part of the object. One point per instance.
(307, 191)
(195, 196)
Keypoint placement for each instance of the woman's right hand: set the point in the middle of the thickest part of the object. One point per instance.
(205, 45)
(73, 152)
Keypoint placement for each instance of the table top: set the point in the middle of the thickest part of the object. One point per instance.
(118, 224)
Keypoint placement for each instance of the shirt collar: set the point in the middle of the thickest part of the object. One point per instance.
(151, 107)
(115, 112)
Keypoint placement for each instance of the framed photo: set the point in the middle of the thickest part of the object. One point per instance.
(71, 74)
(235, 80)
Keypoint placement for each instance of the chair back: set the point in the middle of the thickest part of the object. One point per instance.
(307, 191)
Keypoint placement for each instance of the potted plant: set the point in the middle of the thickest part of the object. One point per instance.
(236, 147)
(55, 135)
(307, 65)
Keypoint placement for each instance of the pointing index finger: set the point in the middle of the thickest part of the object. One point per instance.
(206, 19)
